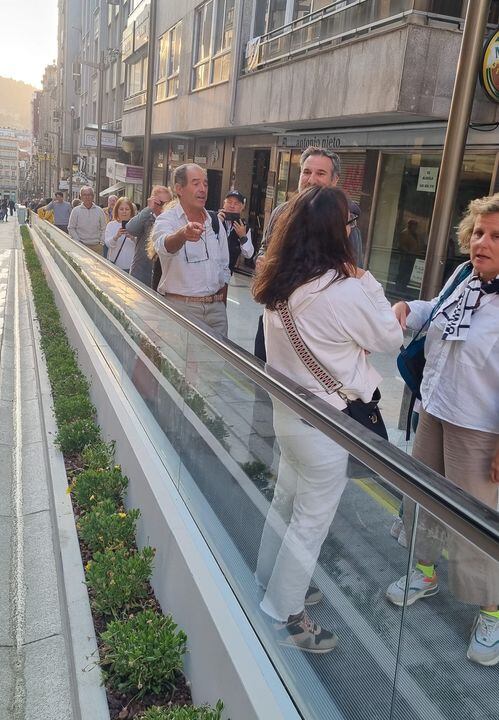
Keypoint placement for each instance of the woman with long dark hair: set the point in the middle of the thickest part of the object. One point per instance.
(310, 282)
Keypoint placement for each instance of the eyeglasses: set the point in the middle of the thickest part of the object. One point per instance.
(352, 219)
(194, 256)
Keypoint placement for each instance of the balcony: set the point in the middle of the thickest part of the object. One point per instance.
(330, 26)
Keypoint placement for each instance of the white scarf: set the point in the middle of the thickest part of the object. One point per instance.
(459, 319)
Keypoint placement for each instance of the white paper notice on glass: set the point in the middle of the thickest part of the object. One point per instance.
(417, 272)
(427, 180)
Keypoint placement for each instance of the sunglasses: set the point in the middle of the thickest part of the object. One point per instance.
(352, 219)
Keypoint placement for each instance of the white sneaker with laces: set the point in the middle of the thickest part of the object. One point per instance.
(484, 641)
(420, 586)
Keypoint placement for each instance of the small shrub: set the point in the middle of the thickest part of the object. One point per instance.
(73, 437)
(105, 529)
(184, 713)
(73, 384)
(119, 578)
(92, 486)
(143, 654)
(99, 455)
(74, 407)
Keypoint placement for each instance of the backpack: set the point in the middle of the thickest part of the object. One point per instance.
(215, 222)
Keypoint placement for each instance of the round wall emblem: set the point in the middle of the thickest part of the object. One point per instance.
(489, 74)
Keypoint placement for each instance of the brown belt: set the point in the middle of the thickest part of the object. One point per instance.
(218, 297)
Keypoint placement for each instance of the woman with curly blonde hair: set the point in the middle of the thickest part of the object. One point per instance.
(458, 430)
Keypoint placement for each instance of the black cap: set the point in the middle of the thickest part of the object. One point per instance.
(236, 194)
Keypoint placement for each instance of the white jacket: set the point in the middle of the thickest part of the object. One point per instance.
(126, 252)
(338, 323)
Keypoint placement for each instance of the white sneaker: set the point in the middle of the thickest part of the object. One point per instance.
(420, 586)
(397, 531)
(484, 641)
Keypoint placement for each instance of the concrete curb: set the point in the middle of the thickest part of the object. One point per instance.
(89, 695)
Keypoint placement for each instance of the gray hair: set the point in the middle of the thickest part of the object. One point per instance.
(312, 150)
(180, 174)
(86, 188)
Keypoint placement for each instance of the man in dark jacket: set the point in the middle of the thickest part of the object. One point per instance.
(238, 234)
(140, 227)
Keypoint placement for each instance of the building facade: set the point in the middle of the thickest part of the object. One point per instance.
(9, 164)
(242, 86)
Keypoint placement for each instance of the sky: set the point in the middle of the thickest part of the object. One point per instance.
(29, 39)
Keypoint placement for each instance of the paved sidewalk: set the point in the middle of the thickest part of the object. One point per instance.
(34, 669)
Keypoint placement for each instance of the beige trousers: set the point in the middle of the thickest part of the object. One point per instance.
(464, 457)
(98, 248)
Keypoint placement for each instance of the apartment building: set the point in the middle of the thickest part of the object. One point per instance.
(241, 86)
(9, 163)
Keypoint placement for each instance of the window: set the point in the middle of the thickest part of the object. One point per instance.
(214, 28)
(137, 77)
(169, 63)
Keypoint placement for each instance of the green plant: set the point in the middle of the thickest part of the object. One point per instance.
(71, 384)
(92, 486)
(103, 528)
(75, 407)
(143, 654)
(74, 436)
(184, 713)
(99, 456)
(118, 579)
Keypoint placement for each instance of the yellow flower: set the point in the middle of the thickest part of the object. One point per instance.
(68, 490)
(88, 565)
(122, 515)
(92, 497)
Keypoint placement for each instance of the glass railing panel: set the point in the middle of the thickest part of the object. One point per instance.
(433, 666)
(248, 459)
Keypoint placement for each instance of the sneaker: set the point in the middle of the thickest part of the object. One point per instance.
(304, 634)
(420, 586)
(402, 538)
(313, 596)
(484, 641)
(397, 527)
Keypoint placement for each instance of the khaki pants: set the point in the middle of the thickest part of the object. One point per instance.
(212, 314)
(96, 248)
(464, 457)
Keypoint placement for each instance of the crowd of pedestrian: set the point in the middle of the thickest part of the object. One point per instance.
(323, 317)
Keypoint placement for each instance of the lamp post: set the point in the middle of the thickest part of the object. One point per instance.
(71, 152)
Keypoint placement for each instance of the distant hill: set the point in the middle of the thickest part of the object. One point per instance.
(15, 107)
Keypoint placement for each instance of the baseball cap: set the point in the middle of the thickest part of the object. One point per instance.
(236, 194)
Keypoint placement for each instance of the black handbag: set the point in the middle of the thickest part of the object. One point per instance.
(367, 414)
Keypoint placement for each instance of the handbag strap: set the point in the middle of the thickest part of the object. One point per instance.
(328, 382)
(118, 253)
(462, 275)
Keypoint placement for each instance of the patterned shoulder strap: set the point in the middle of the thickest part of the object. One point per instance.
(319, 372)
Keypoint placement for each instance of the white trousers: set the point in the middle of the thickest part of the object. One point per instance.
(310, 482)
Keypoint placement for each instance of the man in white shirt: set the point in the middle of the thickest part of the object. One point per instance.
(87, 222)
(238, 235)
(192, 247)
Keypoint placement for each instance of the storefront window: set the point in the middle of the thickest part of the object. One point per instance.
(403, 216)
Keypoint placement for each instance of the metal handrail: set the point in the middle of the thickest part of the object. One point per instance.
(455, 508)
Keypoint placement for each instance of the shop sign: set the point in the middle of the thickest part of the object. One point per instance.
(133, 174)
(110, 168)
(427, 180)
(200, 160)
(326, 141)
(489, 72)
(109, 139)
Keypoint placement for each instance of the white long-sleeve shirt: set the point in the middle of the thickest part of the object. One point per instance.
(87, 225)
(114, 244)
(338, 323)
(461, 377)
(199, 268)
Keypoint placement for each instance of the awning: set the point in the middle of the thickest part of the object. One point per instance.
(113, 190)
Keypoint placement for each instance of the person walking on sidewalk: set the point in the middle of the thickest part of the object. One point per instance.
(458, 429)
(140, 228)
(340, 315)
(192, 246)
(61, 210)
(87, 222)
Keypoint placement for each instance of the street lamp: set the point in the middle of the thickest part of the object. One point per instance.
(101, 67)
(71, 153)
